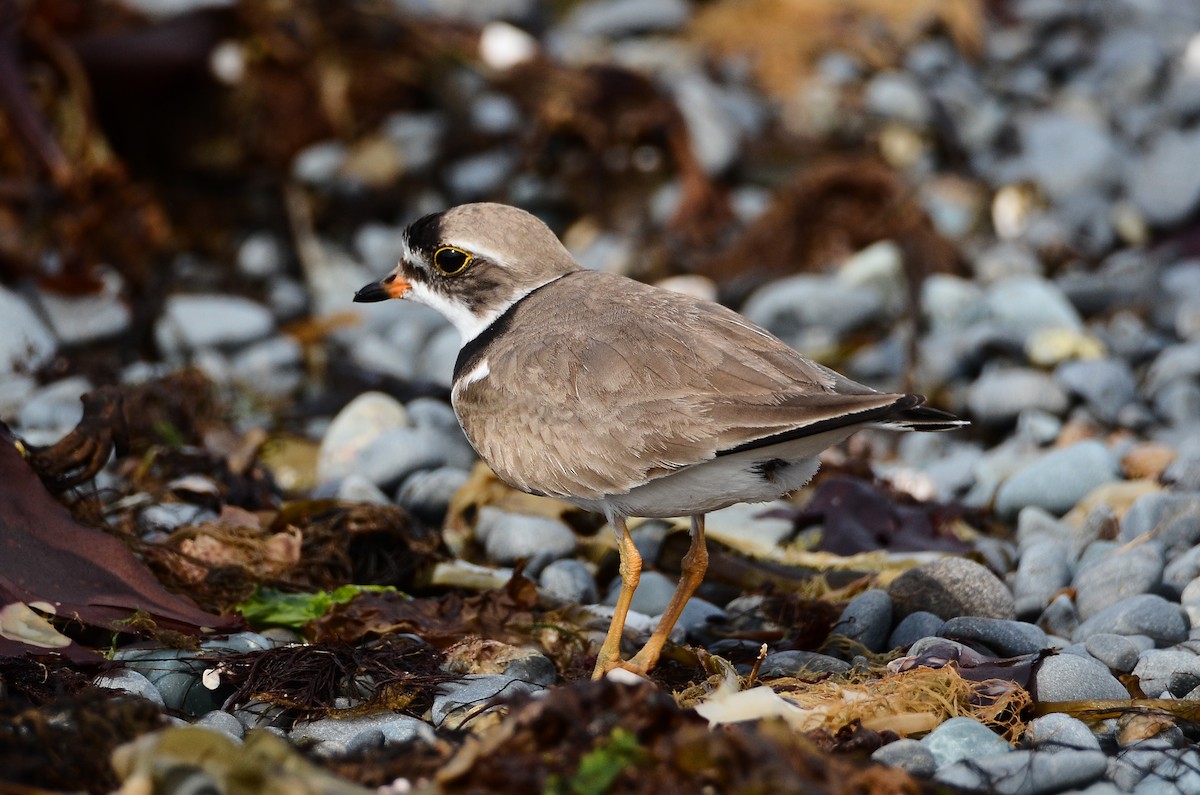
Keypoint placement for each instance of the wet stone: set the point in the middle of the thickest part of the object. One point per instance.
(963, 738)
(907, 755)
(131, 682)
(1059, 618)
(1071, 677)
(1004, 638)
(913, 627)
(398, 453)
(951, 587)
(867, 619)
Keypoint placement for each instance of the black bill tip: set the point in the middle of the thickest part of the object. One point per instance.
(371, 293)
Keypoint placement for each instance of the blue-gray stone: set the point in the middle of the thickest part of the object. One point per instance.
(1165, 193)
(1173, 517)
(1147, 614)
(362, 732)
(698, 614)
(1071, 677)
(1000, 395)
(1058, 732)
(896, 95)
(963, 738)
(25, 341)
(427, 493)
(262, 715)
(570, 581)
(195, 322)
(614, 19)
(790, 307)
(1026, 303)
(1059, 618)
(1059, 479)
(913, 627)
(867, 619)
(907, 755)
(223, 722)
(1035, 525)
(1116, 577)
(1168, 673)
(396, 454)
(652, 596)
(475, 690)
(239, 643)
(800, 663)
(1044, 569)
(509, 537)
(1005, 638)
(356, 488)
(131, 682)
(1026, 772)
(950, 587)
(176, 674)
(533, 668)
(1118, 652)
(1107, 385)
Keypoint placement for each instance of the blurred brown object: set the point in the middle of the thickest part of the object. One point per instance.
(78, 456)
(784, 38)
(827, 213)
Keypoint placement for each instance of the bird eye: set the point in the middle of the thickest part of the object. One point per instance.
(451, 261)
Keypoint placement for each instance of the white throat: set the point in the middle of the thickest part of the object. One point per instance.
(469, 324)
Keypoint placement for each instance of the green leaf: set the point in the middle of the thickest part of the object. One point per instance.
(272, 607)
(600, 767)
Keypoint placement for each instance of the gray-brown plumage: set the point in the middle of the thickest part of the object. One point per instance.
(622, 397)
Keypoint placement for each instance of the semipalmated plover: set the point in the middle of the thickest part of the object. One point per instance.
(620, 397)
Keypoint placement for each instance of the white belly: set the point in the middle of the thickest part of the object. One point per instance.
(722, 481)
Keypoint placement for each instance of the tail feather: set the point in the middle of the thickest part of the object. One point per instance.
(923, 418)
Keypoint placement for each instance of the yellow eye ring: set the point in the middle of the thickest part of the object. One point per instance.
(451, 261)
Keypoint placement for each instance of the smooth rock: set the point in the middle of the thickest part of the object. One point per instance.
(356, 426)
(459, 698)
(896, 95)
(1070, 677)
(794, 307)
(867, 619)
(55, 407)
(800, 663)
(509, 537)
(1005, 638)
(1044, 569)
(613, 19)
(1000, 395)
(1026, 772)
(1167, 673)
(195, 322)
(224, 722)
(950, 587)
(272, 367)
(1059, 618)
(913, 627)
(80, 319)
(698, 615)
(744, 525)
(1035, 525)
(1117, 577)
(652, 595)
(1026, 303)
(963, 738)
(1118, 652)
(261, 255)
(1173, 517)
(1161, 189)
(1065, 154)
(908, 755)
(356, 488)
(25, 341)
(130, 681)
(1146, 614)
(363, 733)
(570, 581)
(1107, 385)
(1058, 732)
(319, 163)
(395, 454)
(1059, 479)
(427, 493)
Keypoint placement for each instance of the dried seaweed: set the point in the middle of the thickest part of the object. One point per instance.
(79, 455)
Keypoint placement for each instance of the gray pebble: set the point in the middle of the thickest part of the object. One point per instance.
(896, 95)
(176, 674)
(1044, 569)
(652, 595)
(1026, 772)
(318, 164)
(867, 619)
(80, 319)
(1035, 525)
(1118, 652)
(913, 627)
(272, 367)
(1057, 732)
(698, 614)
(1107, 385)
(614, 19)
(1167, 673)
(55, 407)
(509, 537)
(1066, 154)
(1117, 577)
(1000, 395)
(533, 668)
(950, 587)
(261, 715)
(25, 341)
(261, 256)
(570, 581)
(239, 643)
(356, 488)
(907, 755)
(398, 453)
(427, 493)
(1071, 677)
(1005, 638)
(1164, 192)
(1173, 517)
(221, 721)
(1059, 479)
(130, 681)
(361, 733)
(474, 690)
(478, 175)
(1059, 618)
(1026, 303)
(195, 322)
(1146, 614)
(963, 738)
(168, 516)
(800, 663)
(797, 307)
(356, 426)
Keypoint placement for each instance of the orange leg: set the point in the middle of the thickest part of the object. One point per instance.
(695, 563)
(631, 571)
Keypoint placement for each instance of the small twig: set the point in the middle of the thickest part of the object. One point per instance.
(753, 677)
